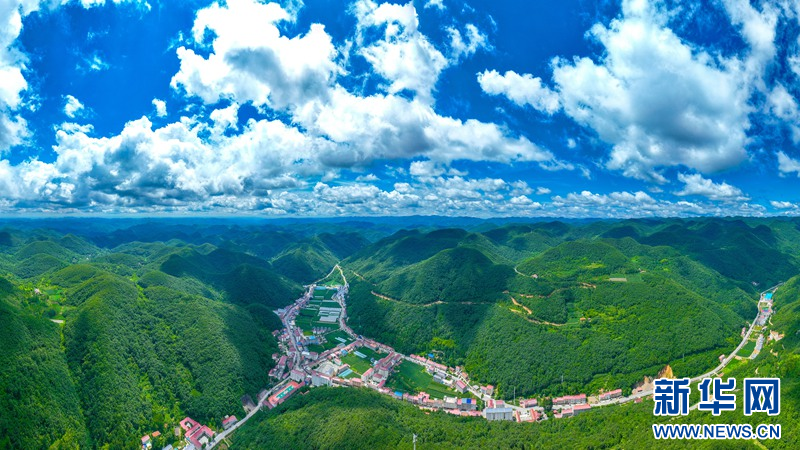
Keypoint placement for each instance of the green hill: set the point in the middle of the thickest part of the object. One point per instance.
(243, 278)
(37, 265)
(38, 399)
(452, 275)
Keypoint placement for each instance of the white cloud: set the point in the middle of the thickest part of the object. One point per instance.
(783, 105)
(425, 169)
(438, 4)
(520, 89)
(368, 177)
(13, 62)
(784, 205)
(356, 193)
(758, 28)
(72, 106)
(404, 57)
(160, 106)
(659, 100)
(466, 45)
(252, 61)
(787, 164)
(695, 184)
(542, 190)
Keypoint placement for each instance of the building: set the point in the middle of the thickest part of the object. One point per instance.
(200, 437)
(146, 442)
(527, 415)
(467, 404)
(229, 422)
(487, 390)
(616, 393)
(528, 403)
(320, 379)
(577, 409)
(297, 375)
(196, 434)
(287, 391)
(460, 386)
(504, 413)
(450, 403)
(570, 400)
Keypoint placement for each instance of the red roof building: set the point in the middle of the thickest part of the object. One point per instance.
(570, 400)
(229, 422)
(611, 394)
(196, 434)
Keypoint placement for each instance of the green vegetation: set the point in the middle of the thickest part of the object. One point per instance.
(165, 319)
(412, 378)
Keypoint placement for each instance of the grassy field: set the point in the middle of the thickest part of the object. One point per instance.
(413, 378)
(331, 337)
(747, 349)
(356, 363)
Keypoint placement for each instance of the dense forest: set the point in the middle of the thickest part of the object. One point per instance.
(115, 328)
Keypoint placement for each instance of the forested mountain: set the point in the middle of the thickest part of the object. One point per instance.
(112, 329)
(103, 345)
(562, 308)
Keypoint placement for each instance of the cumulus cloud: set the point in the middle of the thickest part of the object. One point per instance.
(695, 184)
(465, 45)
(659, 100)
(72, 106)
(787, 164)
(160, 106)
(251, 61)
(404, 57)
(438, 4)
(784, 205)
(13, 62)
(640, 204)
(520, 89)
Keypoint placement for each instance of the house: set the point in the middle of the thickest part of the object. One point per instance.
(616, 393)
(460, 386)
(467, 404)
(188, 423)
(196, 434)
(228, 422)
(527, 415)
(320, 379)
(200, 436)
(528, 403)
(577, 409)
(450, 403)
(487, 390)
(570, 400)
(146, 442)
(297, 375)
(504, 413)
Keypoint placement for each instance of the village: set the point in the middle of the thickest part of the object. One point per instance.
(318, 348)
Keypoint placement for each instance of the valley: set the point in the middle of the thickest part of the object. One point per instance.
(146, 332)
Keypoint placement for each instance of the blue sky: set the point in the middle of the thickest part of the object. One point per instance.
(487, 108)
